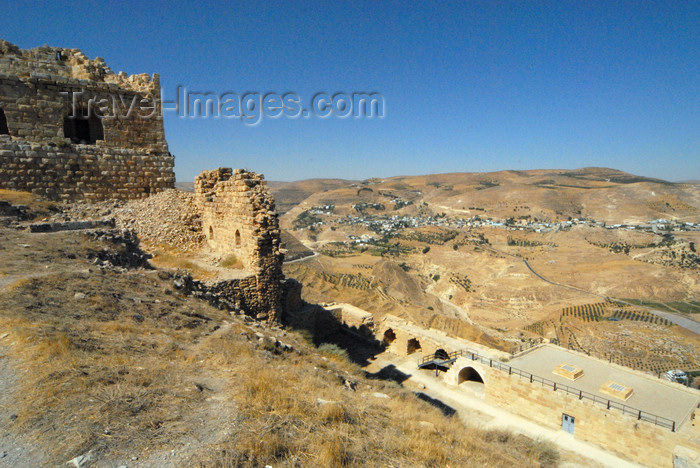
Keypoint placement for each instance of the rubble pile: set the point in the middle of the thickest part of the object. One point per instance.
(122, 251)
(168, 218)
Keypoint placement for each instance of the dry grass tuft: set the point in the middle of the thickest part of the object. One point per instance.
(334, 453)
(335, 413)
(333, 351)
(231, 261)
(168, 258)
(22, 198)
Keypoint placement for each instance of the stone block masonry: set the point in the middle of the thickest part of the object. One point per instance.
(54, 148)
(238, 218)
(623, 434)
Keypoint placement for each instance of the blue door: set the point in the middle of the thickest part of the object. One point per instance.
(567, 423)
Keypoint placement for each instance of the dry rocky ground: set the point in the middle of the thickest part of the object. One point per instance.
(102, 357)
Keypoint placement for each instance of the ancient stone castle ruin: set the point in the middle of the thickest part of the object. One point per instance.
(70, 128)
(238, 217)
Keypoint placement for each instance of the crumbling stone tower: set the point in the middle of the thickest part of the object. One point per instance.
(238, 217)
(55, 144)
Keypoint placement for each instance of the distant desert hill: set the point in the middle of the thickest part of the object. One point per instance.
(289, 194)
(185, 186)
(601, 194)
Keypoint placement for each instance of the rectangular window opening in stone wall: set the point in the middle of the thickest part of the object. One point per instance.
(4, 129)
(83, 130)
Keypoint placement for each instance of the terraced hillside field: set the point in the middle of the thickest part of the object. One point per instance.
(623, 334)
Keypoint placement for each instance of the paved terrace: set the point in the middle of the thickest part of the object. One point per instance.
(651, 394)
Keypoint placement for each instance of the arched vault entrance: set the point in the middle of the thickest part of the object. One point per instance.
(412, 346)
(442, 355)
(469, 374)
(389, 336)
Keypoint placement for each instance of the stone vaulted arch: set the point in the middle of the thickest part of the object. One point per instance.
(412, 346)
(469, 374)
(389, 336)
(442, 354)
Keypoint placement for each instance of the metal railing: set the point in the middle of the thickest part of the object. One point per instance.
(522, 347)
(581, 394)
(441, 357)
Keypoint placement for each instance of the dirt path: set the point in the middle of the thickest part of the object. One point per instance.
(302, 258)
(677, 319)
(7, 281)
(14, 449)
(473, 410)
(209, 423)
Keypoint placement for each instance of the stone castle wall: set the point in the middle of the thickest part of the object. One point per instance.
(640, 441)
(238, 217)
(620, 433)
(90, 173)
(121, 157)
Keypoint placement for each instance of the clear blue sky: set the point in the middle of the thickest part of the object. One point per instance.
(468, 85)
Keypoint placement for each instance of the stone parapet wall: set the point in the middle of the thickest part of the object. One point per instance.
(622, 434)
(253, 294)
(351, 316)
(244, 295)
(397, 334)
(86, 172)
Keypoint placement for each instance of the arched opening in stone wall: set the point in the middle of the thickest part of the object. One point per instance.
(83, 130)
(4, 130)
(211, 233)
(469, 374)
(442, 354)
(389, 336)
(412, 346)
(238, 239)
